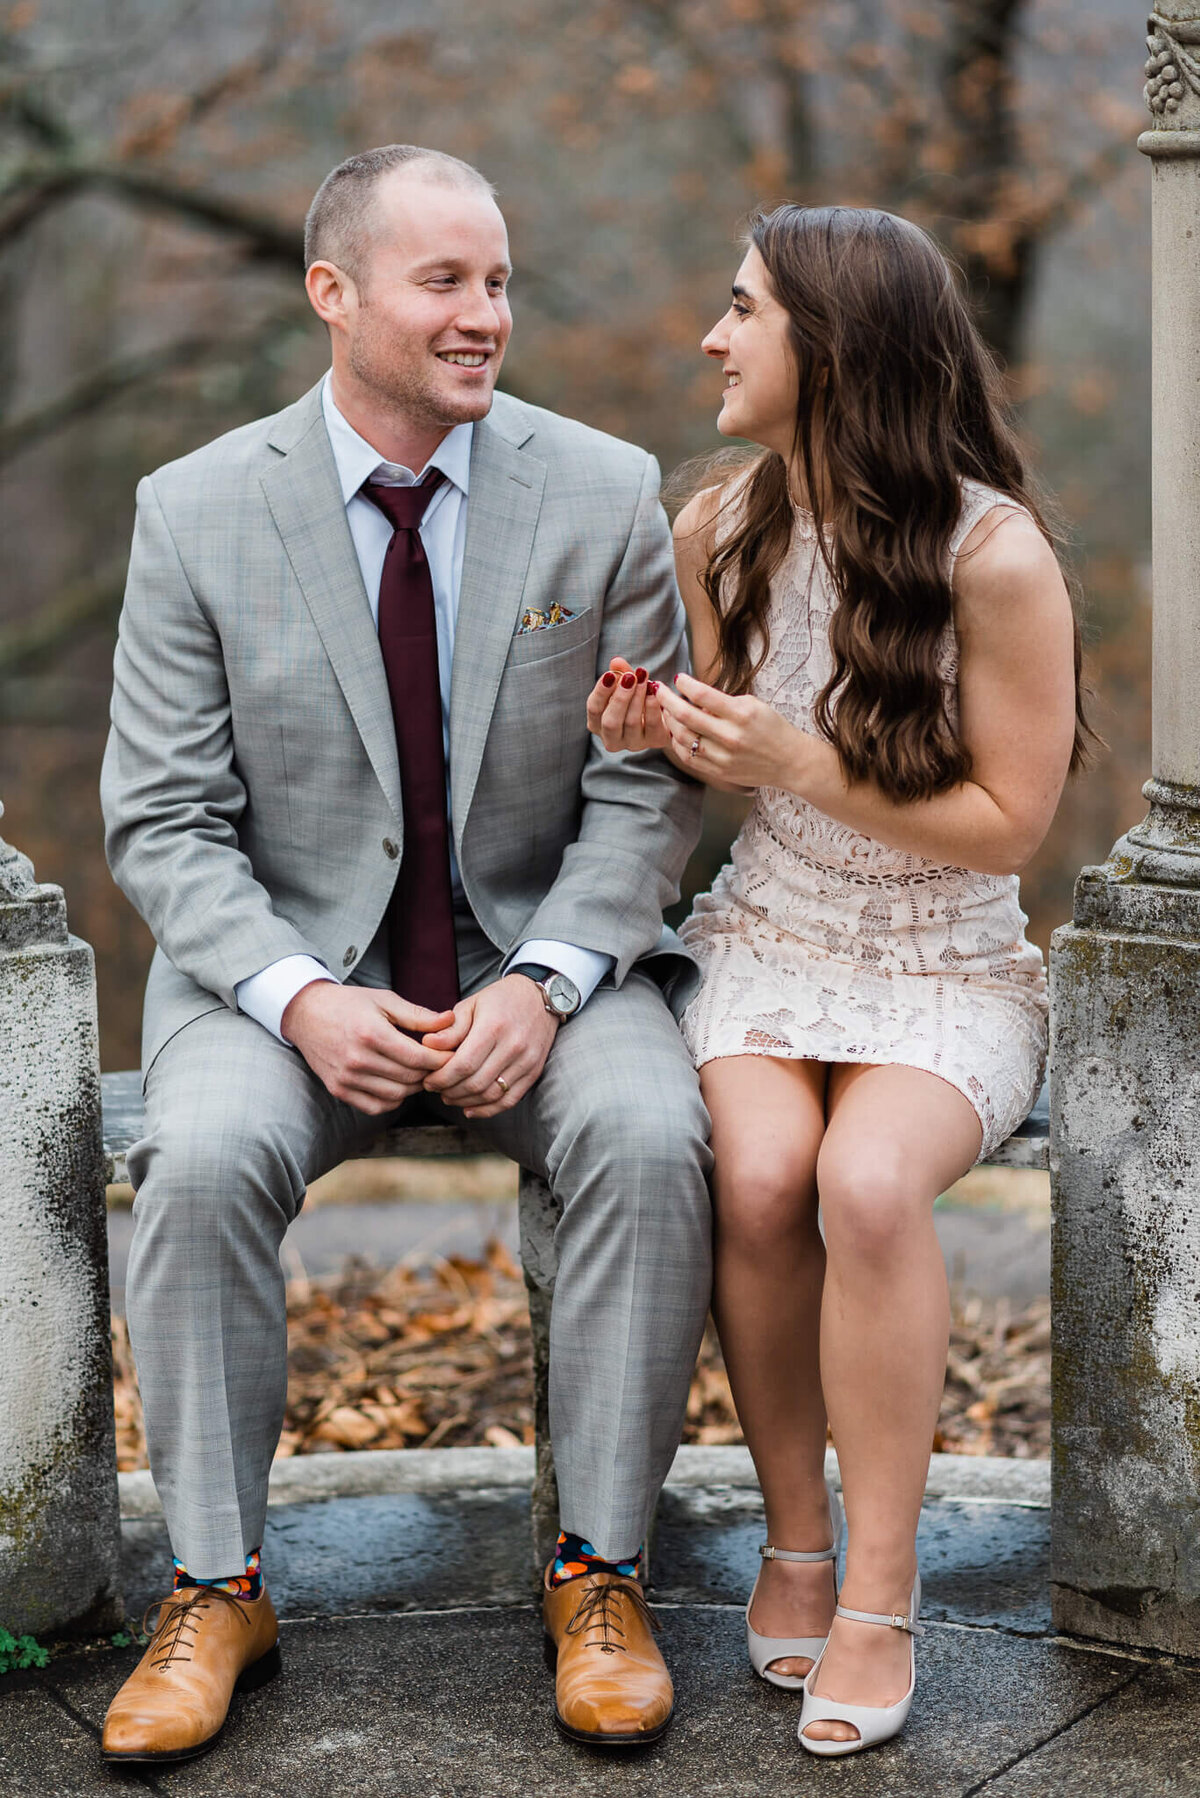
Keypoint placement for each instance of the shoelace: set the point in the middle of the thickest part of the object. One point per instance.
(168, 1631)
(599, 1609)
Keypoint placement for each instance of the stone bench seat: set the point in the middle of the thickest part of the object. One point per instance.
(1027, 1147)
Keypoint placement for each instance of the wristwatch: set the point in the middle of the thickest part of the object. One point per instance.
(560, 996)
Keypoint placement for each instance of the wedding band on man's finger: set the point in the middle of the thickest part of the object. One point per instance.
(502, 1083)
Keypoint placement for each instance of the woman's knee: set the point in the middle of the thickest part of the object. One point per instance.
(764, 1202)
(871, 1205)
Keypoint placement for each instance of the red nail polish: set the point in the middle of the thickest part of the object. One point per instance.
(652, 687)
(641, 674)
(676, 680)
(608, 680)
(627, 680)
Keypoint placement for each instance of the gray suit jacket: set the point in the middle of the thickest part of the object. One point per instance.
(250, 786)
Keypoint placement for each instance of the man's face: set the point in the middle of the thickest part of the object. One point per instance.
(431, 320)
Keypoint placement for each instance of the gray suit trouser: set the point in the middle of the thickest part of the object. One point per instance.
(236, 1127)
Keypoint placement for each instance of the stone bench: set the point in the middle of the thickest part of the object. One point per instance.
(1028, 1147)
(63, 1131)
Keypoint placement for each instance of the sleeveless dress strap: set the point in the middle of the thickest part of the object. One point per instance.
(977, 502)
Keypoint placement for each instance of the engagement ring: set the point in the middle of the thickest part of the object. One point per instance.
(695, 750)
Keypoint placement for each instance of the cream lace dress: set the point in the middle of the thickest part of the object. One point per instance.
(819, 943)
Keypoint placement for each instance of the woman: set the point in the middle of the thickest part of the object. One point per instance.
(887, 658)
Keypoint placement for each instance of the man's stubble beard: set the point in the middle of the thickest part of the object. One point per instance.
(408, 393)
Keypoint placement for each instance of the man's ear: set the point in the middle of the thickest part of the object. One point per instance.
(331, 293)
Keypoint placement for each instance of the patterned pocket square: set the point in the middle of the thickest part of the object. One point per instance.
(543, 621)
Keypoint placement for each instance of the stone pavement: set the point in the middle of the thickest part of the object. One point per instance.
(413, 1664)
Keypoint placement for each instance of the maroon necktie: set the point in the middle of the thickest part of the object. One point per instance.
(421, 914)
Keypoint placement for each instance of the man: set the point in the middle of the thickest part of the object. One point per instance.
(349, 786)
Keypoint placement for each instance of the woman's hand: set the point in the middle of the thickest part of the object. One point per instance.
(624, 709)
(740, 740)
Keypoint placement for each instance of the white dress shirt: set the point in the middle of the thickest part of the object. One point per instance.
(266, 995)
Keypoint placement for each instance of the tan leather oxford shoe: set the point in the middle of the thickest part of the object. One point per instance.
(611, 1687)
(206, 1646)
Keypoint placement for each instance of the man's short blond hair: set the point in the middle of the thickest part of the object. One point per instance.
(338, 226)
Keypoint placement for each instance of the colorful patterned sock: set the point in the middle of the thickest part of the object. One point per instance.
(242, 1585)
(573, 1557)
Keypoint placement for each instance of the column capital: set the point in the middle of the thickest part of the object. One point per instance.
(1172, 90)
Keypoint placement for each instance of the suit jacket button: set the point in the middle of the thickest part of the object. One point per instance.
(349, 956)
(390, 849)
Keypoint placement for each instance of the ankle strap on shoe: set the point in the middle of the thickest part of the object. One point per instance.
(769, 1552)
(889, 1619)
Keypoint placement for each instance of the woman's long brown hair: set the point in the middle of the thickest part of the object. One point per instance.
(898, 400)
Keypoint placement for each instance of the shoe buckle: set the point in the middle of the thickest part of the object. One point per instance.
(899, 1622)
(767, 1551)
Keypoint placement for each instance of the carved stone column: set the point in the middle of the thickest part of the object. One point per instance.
(59, 1525)
(1125, 1015)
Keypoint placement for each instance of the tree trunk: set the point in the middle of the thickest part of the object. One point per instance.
(978, 80)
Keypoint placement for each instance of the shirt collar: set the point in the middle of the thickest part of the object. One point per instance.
(356, 460)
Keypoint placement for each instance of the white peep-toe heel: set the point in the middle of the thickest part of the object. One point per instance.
(763, 1650)
(874, 1723)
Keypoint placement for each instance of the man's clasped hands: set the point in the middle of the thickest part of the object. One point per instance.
(374, 1050)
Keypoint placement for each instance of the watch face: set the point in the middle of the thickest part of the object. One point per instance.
(563, 995)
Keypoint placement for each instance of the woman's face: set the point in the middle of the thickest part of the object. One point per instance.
(752, 345)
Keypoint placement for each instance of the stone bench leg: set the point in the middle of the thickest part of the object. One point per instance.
(539, 1215)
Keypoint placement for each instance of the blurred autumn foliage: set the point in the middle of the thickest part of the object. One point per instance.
(428, 1357)
(156, 161)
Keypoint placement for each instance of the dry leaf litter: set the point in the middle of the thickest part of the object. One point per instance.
(439, 1356)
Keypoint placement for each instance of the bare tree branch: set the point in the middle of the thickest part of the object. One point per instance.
(191, 109)
(268, 238)
(37, 186)
(31, 117)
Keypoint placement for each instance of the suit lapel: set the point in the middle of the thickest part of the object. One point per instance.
(502, 513)
(305, 498)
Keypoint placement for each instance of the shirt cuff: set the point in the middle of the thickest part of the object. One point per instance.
(586, 967)
(265, 996)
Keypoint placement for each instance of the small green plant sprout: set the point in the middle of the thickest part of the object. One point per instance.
(19, 1652)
